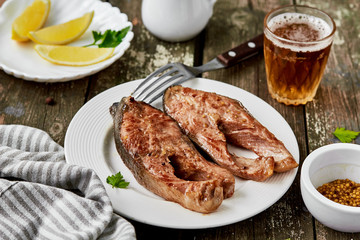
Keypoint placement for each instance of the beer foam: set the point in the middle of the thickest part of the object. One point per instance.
(323, 28)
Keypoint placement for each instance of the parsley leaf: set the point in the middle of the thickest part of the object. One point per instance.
(117, 181)
(108, 39)
(345, 136)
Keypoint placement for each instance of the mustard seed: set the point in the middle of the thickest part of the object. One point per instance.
(343, 191)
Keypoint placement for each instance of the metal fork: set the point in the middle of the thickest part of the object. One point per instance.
(153, 86)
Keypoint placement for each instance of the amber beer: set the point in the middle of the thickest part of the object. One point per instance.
(296, 48)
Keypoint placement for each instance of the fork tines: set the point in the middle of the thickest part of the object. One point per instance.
(153, 86)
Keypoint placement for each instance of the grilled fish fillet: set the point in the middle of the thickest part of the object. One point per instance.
(165, 161)
(212, 121)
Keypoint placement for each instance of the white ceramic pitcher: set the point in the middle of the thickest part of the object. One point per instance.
(176, 20)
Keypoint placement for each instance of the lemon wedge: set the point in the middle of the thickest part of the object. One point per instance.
(31, 19)
(73, 56)
(62, 33)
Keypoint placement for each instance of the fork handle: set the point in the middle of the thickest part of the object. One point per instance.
(241, 52)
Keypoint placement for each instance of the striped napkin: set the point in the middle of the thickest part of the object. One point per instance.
(43, 197)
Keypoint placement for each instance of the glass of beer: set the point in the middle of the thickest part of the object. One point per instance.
(296, 48)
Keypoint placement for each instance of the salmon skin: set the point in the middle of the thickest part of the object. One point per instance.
(164, 160)
(212, 121)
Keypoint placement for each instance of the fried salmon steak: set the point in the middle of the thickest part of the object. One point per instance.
(164, 160)
(212, 120)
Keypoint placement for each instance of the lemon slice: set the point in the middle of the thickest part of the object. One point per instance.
(73, 56)
(33, 18)
(62, 33)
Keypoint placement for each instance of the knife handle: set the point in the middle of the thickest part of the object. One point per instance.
(241, 52)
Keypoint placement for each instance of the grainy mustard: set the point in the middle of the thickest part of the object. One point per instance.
(343, 191)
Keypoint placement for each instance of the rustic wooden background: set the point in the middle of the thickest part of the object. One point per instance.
(336, 103)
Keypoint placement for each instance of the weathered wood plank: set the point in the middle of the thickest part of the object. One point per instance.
(26, 104)
(337, 101)
(287, 217)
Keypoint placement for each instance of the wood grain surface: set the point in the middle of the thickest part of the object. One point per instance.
(234, 21)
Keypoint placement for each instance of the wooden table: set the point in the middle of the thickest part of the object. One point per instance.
(336, 104)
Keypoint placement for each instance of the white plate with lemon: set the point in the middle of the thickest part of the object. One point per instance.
(54, 56)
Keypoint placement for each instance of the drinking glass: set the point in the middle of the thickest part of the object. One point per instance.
(297, 44)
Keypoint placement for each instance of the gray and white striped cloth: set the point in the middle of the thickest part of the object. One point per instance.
(43, 197)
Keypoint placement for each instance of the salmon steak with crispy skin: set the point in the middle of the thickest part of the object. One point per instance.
(212, 121)
(165, 161)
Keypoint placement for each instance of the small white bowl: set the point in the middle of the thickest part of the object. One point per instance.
(325, 164)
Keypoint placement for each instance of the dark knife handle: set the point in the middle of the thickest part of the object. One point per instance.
(241, 52)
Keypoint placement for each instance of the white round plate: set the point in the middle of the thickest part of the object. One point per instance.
(89, 142)
(21, 60)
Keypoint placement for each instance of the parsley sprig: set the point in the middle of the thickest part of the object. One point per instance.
(344, 135)
(108, 39)
(117, 181)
